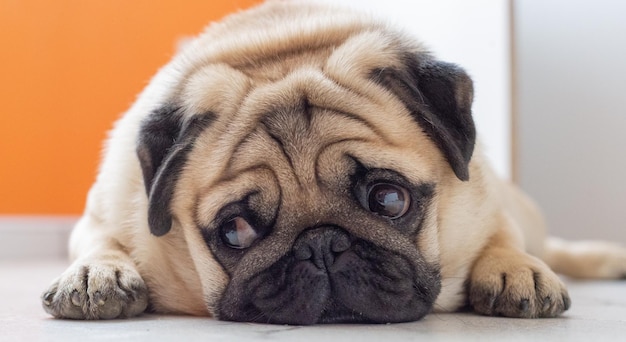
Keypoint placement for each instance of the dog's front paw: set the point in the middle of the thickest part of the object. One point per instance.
(516, 286)
(97, 290)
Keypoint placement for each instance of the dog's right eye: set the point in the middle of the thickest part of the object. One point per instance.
(238, 233)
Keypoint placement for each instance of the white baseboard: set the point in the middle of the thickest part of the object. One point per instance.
(34, 237)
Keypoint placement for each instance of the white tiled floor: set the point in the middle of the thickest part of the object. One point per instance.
(598, 313)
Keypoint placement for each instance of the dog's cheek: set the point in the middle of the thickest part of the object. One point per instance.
(428, 237)
(212, 276)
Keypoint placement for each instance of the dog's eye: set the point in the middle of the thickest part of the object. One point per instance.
(238, 233)
(388, 200)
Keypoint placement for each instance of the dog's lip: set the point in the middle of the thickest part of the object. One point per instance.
(340, 314)
(345, 318)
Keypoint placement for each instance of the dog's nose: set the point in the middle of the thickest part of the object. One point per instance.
(321, 245)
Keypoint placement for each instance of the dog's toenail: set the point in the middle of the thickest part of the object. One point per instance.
(547, 302)
(47, 298)
(98, 299)
(75, 298)
(524, 304)
(566, 302)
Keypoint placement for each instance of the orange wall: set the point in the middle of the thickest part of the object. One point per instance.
(68, 69)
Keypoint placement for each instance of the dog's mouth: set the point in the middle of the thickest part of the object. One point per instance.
(362, 283)
(337, 313)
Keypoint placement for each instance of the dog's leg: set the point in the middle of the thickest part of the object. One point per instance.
(586, 259)
(507, 281)
(102, 283)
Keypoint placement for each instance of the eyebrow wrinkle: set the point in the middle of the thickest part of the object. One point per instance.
(361, 120)
(318, 181)
(281, 146)
(360, 96)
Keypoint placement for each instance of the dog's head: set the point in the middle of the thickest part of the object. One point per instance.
(301, 163)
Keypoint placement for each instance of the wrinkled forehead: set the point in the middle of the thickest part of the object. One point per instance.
(306, 114)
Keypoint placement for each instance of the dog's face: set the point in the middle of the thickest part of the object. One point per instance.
(302, 174)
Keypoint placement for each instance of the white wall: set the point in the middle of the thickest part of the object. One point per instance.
(29, 237)
(571, 76)
(475, 35)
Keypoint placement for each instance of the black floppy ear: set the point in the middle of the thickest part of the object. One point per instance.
(439, 96)
(165, 139)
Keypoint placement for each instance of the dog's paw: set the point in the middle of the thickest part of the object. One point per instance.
(516, 286)
(97, 290)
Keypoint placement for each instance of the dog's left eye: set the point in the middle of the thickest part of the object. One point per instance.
(388, 200)
(238, 233)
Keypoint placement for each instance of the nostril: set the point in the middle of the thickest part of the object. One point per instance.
(340, 244)
(303, 252)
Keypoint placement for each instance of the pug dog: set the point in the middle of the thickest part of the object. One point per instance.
(301, 164)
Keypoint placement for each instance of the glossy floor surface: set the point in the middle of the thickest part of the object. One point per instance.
(598, 313)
